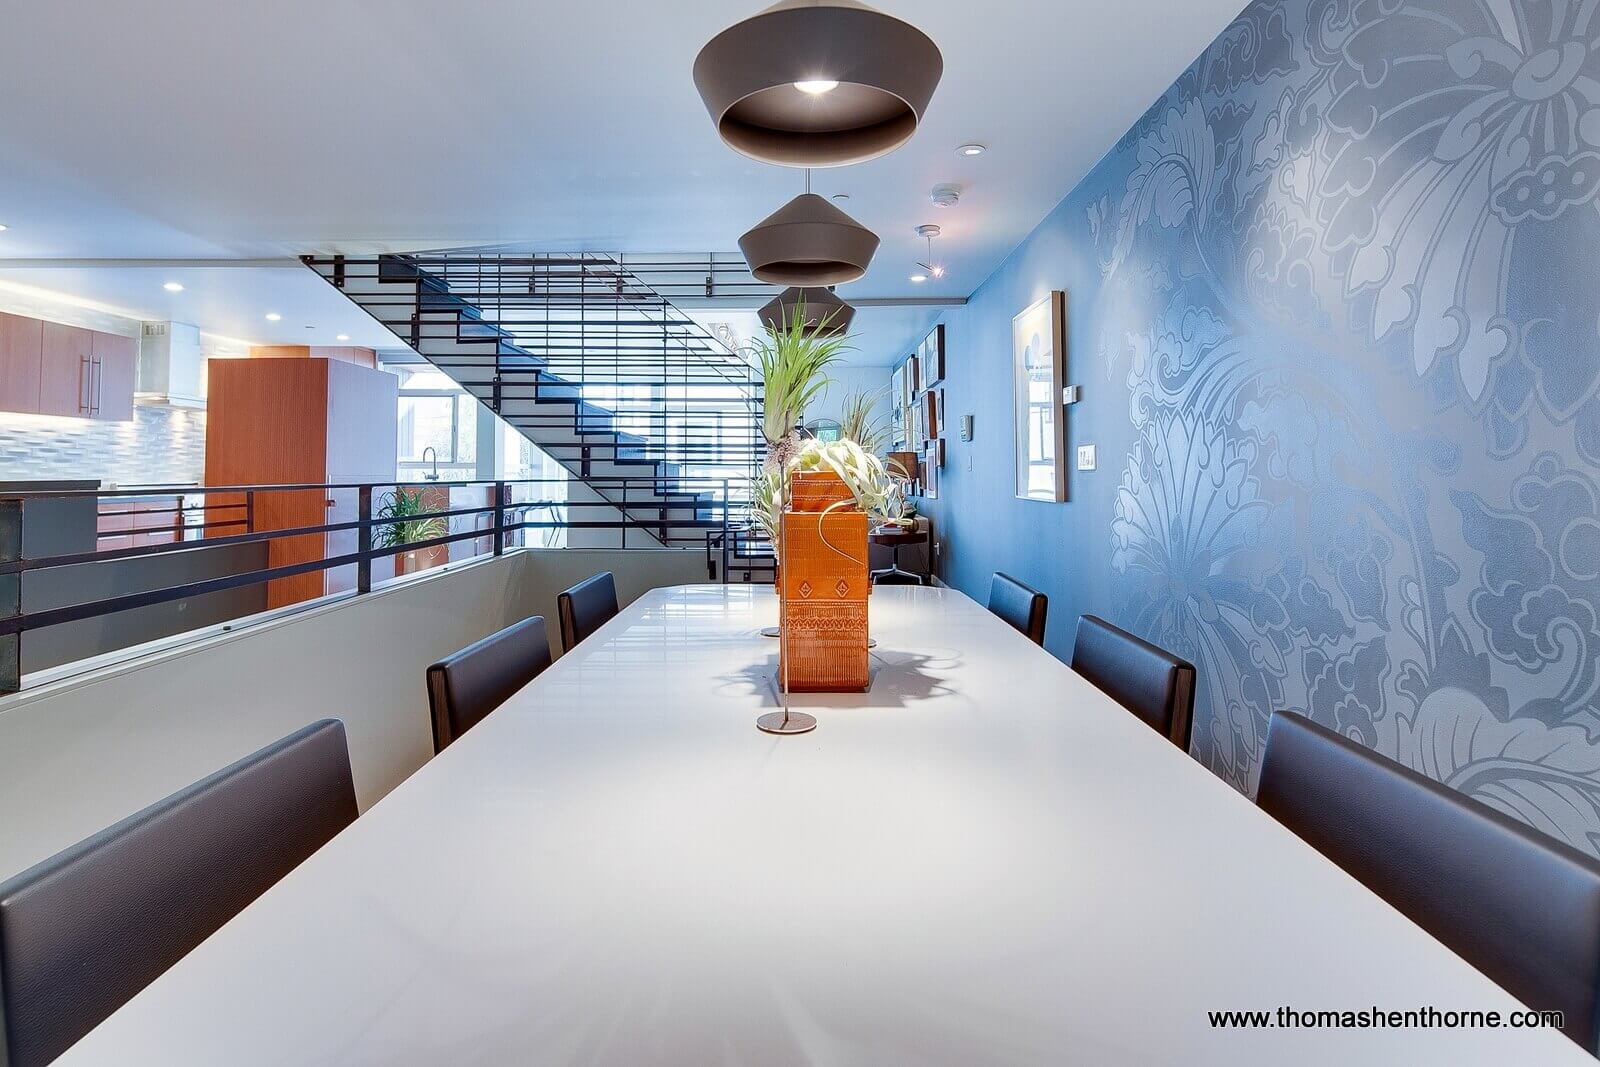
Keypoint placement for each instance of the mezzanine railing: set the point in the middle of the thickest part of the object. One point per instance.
(76, 556)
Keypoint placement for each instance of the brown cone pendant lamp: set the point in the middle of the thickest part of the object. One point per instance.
(819, 309)
(818, 83)
(808, 242)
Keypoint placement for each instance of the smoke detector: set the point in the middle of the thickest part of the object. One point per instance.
(946, 194)
(928, 230)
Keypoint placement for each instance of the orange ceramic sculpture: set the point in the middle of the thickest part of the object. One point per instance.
(824, 587)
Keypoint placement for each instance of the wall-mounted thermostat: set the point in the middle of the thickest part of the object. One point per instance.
(966, 427)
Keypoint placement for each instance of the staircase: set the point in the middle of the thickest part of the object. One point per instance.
(645, 409)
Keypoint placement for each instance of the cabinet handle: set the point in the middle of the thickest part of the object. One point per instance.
(99, 383)
(84, 375)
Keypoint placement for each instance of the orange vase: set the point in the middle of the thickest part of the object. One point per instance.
(823, 587)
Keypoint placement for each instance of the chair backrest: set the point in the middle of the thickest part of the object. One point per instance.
(469, 684)
(1020, 605)
(1152, 683)
(1521, 907)
(586, 607)
(83, 931)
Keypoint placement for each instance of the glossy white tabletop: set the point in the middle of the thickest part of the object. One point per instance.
(982, 861)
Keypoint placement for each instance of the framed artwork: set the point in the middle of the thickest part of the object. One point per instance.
(897, 394)
(938, 450)
(1038, 366)
(940, 405)
(932, 352)
(930, 473)
(930, 413)
(913, 378)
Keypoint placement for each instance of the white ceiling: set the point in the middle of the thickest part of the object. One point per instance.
(190, 128)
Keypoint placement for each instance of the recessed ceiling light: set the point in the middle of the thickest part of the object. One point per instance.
(817, 86)
(840, 198)
(173, 287)
(342, 337)
(919, 278)
(273, 316)
(4, 227)
(971, 150)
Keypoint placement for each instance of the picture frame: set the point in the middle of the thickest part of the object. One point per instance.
(913, 378)
(1039, 419)
(932, 352)
(930, 413)
(930, 473)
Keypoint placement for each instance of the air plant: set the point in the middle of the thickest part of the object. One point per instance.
(878, 489)
(857, 424)
(792, 362)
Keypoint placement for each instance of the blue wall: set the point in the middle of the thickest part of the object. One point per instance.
(1333, 305)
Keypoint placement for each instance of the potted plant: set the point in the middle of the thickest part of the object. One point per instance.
(413, 524)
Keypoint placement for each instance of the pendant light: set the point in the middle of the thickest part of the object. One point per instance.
(812, 306)
(808, 242)
(818, 83)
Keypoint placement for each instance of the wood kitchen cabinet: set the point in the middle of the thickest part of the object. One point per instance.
(49, 368)
(66, 370)
(21, 354)
(287, 421)
(116, 366)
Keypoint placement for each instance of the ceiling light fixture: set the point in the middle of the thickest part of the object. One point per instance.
(342, 337)
(929, 231)
(919, 278)
(4, 227)
(808, 242)
(971, 150)
(814, 306)
(763, 82)
(173, 287)
(273, 316)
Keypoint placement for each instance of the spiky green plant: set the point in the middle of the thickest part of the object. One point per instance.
(792, 361)
(416, 524)
(857, 424)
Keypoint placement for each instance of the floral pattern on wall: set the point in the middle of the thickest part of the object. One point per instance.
(1349, 277)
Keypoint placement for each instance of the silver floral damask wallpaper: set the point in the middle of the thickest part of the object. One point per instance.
(1335, 305)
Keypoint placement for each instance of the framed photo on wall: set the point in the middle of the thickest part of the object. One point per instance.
(930, 413)
(1038, 368)
(930, 472)
(932, 352)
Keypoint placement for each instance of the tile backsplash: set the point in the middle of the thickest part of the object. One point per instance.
(160, 445)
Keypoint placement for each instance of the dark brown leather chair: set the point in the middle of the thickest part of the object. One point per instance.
(1152, 683)
(467, 685)
(85, 930)
(1521, 907)
(585, 608)
(1022, 606)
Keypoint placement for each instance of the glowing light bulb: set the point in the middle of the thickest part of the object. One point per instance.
(817, 86)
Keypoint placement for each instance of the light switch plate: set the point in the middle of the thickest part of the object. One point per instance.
(1086, 457)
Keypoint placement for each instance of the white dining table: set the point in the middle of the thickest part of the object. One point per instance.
(982, 860)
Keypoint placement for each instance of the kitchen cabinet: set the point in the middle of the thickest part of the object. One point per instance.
(116, 366)
(290, 421)
(21, 352)
(66, 370)
(49, 368)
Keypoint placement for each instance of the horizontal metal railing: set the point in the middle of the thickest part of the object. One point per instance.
(707, 513)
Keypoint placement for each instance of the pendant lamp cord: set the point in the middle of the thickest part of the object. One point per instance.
(808, 179)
